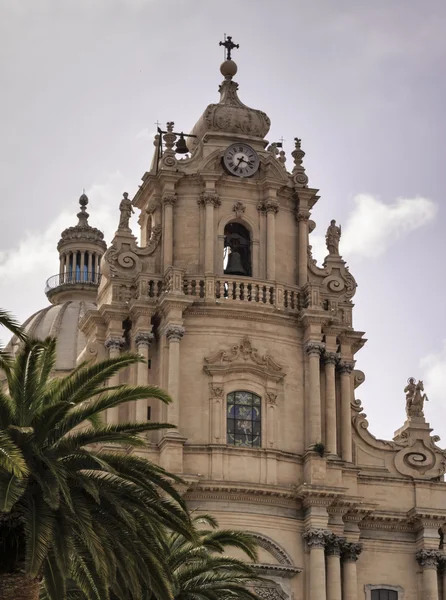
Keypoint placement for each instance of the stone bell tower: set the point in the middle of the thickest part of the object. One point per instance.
(255, 344)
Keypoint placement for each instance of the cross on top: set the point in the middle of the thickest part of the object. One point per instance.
(229, 45)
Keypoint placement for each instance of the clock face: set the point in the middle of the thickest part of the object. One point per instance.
(241, 160)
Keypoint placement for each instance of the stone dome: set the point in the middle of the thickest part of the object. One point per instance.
(62, 322)
(230, 115)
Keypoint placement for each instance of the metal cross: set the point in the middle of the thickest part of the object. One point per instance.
(281, 140)
(229, 45)
(157, 124)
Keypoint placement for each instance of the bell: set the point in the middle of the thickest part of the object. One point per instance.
(181, 147)
(234, 266)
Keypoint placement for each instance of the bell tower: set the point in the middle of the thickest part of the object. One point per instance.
(234, 318)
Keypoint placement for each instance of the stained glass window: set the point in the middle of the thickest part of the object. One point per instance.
(244, 419)
(384, 595)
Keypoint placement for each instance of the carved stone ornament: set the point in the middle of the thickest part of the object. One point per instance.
(239, 209)
(245, 353)
(268, 593)
(144, 339)
(346, 366)
(271, 398)
(331, 358)
(269, 205)
(428, 559)
(125, 258)
(351, 551)
(312, 347)
(209, 197)
(415, 398)
(170, 199)
(232, 116)
(216, 391)
(174, 333)
(316, 538)
(114, 343)
(300, 178)
(334, 278)
(334, 544)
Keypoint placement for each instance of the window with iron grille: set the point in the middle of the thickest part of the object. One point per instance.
(383, 594)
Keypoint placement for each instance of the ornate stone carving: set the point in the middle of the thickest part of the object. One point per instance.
(124, 257)
(299, 176)
(245, 352)
(331, 358)
(268, 593)
(358, 378)
(312, 347)
(316, 538)
(239, 209)
(126, 210)
(216, 391)
(114, 343)
(346, 366)
(271, 397)
(174, 333)
(351, 551)
(273, 548)
(332, 238)
(170, 199)
(415, 398)
(428, 559)
(144, 339)
(269, 205)
(333, 546)
(209, 197)
(302, 215)
(334, 279)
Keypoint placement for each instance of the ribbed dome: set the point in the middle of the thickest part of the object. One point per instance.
(60, 321)
(230, 115)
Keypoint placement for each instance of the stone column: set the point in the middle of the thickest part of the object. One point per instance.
(350, 554)
(271, 208)
(174, 333)
(169, 201)
(333, 554)
(442, 562)
(302, 246)
(316, 539)
(271, 403)
(429, 560)
(210, 199)
(73, 267)
(61, 267)
(82, 267)
(217, 402)
(90, 267)
(313, 416)
(143, 341)
(330, 360)
(346, 368)
(113, 345)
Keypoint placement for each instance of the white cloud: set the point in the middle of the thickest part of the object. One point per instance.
(373, 226)
(434, 375)
(25, 267)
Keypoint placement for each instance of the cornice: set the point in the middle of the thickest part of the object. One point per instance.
(277, 570)
(242, 313)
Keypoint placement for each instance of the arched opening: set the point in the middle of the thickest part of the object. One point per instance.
(237, 250)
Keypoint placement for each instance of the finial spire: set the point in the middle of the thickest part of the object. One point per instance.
(229, 45)
(83, 215)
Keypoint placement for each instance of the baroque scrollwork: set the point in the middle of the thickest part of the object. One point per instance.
(312, 347)
(125, 257)
(351, 551)
(246, 352)
(429, 559)
(174, 333)
(316, 538)
(144, 339)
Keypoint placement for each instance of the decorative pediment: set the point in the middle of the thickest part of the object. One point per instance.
(334, 278)
(242, 357)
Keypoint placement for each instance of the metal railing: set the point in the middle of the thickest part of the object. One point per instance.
(72, 279)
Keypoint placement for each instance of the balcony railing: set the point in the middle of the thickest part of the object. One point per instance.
(72, 279)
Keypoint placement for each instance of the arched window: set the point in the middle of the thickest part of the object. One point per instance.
(237, 250)
(383, 594)
(244, 419)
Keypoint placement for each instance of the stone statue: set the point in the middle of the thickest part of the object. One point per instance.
(126, 209)
(332, 238)
(415, 398)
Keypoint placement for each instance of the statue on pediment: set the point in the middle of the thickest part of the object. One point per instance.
(415, 398)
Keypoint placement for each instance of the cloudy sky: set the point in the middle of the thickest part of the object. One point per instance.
(362, 83)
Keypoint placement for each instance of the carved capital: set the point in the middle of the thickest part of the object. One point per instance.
(312, 347)
(169, 199)
(330, 358)
(239, 209)
(174, 333)
(333, 546)
(428, 559)
(302, 216)
(209, 197)
(144, 340)
(269, 206)
(346, 366)
(114, 343)
(316, 538)
(271, 397)
(351, 551)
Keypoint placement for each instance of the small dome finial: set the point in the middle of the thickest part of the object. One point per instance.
(83, 200)
(83, 215)
(228, 69)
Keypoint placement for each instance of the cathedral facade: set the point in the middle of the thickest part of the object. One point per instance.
(256, 344)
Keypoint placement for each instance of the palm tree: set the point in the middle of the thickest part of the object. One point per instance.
(71, 507)
(201, 571)
(11, 324)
